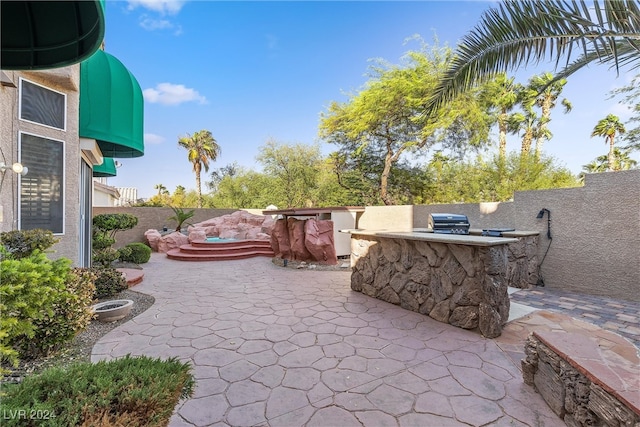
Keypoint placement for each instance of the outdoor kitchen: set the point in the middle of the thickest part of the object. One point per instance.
(448, 271)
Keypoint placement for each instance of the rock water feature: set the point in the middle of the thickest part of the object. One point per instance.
(464, 285)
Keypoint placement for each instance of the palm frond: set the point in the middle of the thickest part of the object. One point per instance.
(523, 32)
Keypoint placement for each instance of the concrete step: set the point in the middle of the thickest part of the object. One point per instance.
(199, 249)
(218, 255)
(232, 244)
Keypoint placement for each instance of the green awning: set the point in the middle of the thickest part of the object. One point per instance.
(106, 169)
(111, 106)
(38, 35)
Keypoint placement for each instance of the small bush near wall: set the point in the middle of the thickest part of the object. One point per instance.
(109, 282)
(138, 253)
(22, 243)
(32, 288)
(71, 313)
(44, 303)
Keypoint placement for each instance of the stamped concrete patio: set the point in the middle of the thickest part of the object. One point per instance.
(272, 346)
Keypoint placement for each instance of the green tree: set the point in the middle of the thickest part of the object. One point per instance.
(385, 118)
(201, 148)
(245, 189)
(295, 169)
(493, 179)
(523, 32)
(608, 128)
(178, 198)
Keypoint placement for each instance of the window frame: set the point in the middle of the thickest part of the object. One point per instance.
(20, 96)
(63, 182)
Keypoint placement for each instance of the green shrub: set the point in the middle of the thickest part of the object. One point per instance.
(105, 256)
(22, 243)
(115, 222)
(109, 282)
(130, 391)
(28, 290)
(71, 314)
(139, 253)
(105, 227)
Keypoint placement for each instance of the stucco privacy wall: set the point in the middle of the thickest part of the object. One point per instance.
(152, 217)
(65, 80)
(595, 229)
(596, 234)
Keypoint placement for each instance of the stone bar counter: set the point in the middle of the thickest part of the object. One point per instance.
(457, 279)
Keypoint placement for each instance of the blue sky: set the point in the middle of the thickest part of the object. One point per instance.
(254, 71)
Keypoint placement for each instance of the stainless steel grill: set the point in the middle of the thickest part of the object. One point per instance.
(449, 223)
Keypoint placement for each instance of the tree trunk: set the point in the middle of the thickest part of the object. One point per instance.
(502, 137)
(198, 189)
(612, 157)
(384, 178)
(526, 142)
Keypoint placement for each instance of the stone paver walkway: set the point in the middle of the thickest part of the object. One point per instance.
(279, 347)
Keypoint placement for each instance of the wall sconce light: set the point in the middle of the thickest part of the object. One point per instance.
(16, 167)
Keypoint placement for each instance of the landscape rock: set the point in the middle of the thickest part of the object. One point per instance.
(318, 239)
(153, 237)
(172, 241)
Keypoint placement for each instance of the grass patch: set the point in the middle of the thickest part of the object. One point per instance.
(131, 391)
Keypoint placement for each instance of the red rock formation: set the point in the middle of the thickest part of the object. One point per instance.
(153, 237)
(280, 240)
(173, 240)
(318, 240)
(296, 237)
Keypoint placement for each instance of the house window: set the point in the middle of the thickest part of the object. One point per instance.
(42, 189)
(41, 105)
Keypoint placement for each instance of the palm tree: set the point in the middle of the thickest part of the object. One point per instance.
(608, 128)
(201, 148)
(544, 92)
(503, 94)
(161, 189)
(522, 32)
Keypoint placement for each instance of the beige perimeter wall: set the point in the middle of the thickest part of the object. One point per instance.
(595, 229)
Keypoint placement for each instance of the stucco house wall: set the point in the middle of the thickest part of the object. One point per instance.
(65, 80)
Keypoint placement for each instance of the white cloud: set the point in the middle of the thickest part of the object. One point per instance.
(172, 94)
(151, 24)
(151, 138)
(164, 7)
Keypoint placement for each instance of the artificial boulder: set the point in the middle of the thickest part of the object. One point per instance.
(153, 237)
(318, 239)
(238, 225)
(171, 241)
(299, 251)
(304, 240)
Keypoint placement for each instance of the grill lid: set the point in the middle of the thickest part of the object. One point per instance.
(449, 223)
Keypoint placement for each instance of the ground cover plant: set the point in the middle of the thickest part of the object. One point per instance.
(131, 391)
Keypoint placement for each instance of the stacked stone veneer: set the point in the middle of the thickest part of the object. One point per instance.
(574, 397)
(463, 285)
(522, 268)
